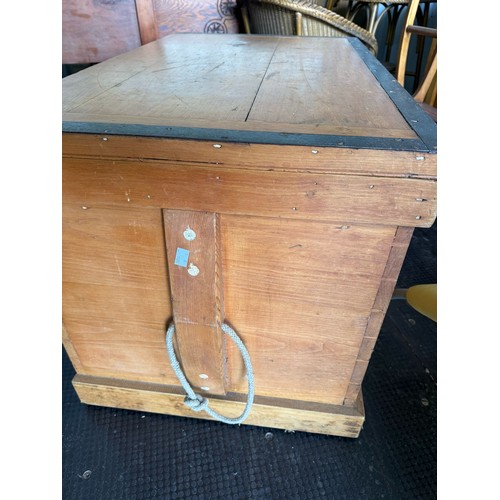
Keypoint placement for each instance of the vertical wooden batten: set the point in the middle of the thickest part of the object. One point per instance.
(194, 269)
(146, 18)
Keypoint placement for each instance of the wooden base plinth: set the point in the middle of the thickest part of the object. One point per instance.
(266, 412)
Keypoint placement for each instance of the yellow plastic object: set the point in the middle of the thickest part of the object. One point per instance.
(423, 298)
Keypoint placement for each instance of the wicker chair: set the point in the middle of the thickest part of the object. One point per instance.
(302, 18)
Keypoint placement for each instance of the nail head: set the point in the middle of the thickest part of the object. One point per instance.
(189, 234)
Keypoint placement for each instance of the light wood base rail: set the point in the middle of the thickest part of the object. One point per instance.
(285, 414)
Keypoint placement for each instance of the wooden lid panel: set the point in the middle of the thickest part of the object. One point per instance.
(176, 80)
(325, 88)
(290, 88)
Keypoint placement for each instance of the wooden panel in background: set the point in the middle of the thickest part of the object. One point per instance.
(195, 16)
(146, 17)
(96, 30)
(194, 262)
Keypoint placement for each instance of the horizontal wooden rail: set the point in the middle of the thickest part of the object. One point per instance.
(422, 30)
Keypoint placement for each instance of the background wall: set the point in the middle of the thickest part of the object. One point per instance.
(96, 30)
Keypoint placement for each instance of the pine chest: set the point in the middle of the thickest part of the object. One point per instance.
(265, 183)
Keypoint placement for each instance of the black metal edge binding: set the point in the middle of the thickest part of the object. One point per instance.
(246, 136)
(415, 116)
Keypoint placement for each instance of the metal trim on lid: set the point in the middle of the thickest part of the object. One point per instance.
(246, 136)
(415, 116)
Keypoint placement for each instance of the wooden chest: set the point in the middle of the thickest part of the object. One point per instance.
(271, 184)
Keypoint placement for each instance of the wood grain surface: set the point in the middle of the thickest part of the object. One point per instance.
(393, 265)
(378, 163)
(184, 186)
(196, 296)
(268, 412)
(97, 30)
(324, 88)
(296, 248)
(115, 291)
(300, 293)
(147, 20)
(325, 84)
(195, 16)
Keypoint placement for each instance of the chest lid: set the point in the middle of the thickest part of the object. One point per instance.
(302, 91)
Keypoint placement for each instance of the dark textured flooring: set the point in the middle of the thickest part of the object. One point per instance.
(117, 454)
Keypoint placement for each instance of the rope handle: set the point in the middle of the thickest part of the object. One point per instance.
(199, 403)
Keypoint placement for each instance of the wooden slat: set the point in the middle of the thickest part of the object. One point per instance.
(353, 199)
(146, 17)
(256, 156)
(196, 294)
(339, 420)
(387, 284)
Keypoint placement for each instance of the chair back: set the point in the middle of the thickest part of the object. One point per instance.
(426, 93)
(302, 18)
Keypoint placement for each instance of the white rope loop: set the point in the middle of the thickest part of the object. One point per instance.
(199, 403)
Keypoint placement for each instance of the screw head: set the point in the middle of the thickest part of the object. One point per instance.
(189, 234)
(193, 270)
